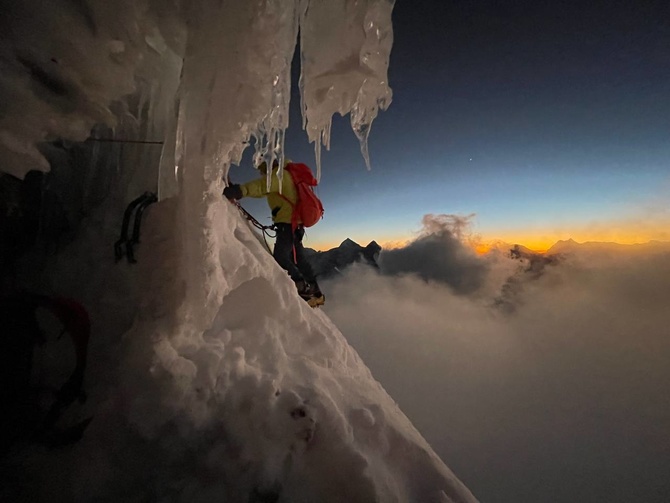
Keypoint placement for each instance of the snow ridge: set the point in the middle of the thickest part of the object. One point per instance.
(269, 399)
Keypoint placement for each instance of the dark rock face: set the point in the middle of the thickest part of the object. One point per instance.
(332, 262)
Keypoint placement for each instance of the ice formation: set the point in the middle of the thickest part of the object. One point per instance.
(226, 386)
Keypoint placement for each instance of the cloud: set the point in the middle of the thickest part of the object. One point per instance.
(438, 254)
(562, 399)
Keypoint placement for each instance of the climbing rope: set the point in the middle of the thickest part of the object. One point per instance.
(265, 229)
(115, 140)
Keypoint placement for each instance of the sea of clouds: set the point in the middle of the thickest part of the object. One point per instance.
(533, 379)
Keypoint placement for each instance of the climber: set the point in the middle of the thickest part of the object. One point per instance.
(286, 206)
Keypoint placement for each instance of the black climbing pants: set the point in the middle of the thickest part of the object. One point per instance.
(286, 242)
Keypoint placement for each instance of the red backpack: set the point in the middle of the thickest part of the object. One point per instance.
(308, 209)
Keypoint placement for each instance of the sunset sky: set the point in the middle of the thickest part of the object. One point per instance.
(543, 120)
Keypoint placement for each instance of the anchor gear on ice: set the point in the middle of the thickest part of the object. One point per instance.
(138, 206)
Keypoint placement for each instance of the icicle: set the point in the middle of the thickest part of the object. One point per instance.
(259, 152)
(317, 156)
(324, 139)
(362, 133)
(278, 151)
(301, 87)
(179, 140)
(362, 117)
(344, 70)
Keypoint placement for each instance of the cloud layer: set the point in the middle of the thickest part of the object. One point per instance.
(561, 399)
(438, 254)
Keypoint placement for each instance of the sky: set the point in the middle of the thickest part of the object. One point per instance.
(534, 385)
(543, 120)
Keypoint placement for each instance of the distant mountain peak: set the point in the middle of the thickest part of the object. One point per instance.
(349, 243)
(331, 262)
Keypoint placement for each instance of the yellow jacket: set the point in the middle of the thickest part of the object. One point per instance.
(282, 210)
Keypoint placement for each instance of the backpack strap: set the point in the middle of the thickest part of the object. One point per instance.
(294, 215)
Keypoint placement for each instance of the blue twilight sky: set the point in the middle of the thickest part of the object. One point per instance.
(545, 119)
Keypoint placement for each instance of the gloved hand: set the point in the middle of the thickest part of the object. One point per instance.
(233, 192)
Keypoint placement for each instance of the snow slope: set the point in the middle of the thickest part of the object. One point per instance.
(269, 398)
(266, 401)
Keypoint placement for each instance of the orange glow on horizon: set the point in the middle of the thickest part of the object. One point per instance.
(542, 243)
(533, 243)
(482, 249)
(538, 240)
(395, 244)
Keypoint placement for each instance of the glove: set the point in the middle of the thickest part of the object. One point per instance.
(232, 192)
